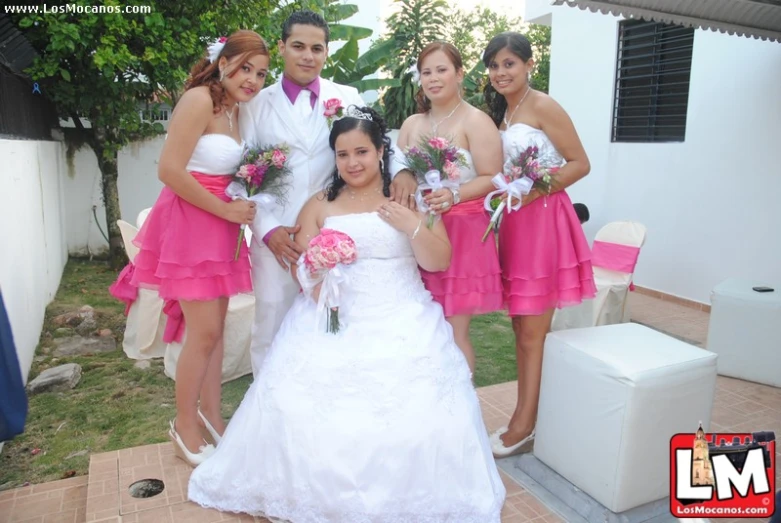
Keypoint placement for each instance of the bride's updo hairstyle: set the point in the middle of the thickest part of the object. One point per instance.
(370, 123)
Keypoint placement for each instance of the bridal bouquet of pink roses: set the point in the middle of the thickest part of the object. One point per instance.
(262, 178)
(322, 263)
(522, 173)
(437, 164)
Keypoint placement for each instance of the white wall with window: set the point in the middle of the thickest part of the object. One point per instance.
(698, 164)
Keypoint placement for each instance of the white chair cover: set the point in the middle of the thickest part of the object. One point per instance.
(611, 304)
(145, 323)
(142, 217)
(128, 232)
(237, 337)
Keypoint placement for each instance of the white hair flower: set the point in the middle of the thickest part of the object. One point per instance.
(413, 70)
(215, 48)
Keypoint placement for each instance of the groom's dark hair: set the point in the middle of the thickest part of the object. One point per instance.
(305, 18)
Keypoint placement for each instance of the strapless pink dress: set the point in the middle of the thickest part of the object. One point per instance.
(543, 252)
(472, 284)
(187, 253)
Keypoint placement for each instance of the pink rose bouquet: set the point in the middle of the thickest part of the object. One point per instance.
(322, 260)
(263, 177)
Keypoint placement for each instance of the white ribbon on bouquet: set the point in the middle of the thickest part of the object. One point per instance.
(515, 189)
(330, 291)
(434, 182)
(238, 191)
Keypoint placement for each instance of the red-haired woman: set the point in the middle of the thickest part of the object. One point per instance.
(187, 243)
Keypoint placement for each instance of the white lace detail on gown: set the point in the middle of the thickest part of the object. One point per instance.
(378, 423)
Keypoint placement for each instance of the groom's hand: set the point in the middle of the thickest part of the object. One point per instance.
(402, 189)
(284, 248)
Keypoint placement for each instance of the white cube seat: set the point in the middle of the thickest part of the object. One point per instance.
(745, 331)
(610, 400)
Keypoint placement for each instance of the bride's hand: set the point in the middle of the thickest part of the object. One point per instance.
(399, 217)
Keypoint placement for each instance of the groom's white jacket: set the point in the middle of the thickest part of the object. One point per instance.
(268, 119)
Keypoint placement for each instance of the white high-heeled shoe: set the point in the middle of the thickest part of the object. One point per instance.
(215, 436)
(500, 451)
(192, 459)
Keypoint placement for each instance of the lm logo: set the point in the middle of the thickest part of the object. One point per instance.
(722, 475)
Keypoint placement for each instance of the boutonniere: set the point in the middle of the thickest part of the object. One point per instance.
(333, 110)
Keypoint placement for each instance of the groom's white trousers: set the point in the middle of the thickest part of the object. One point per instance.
(275, 289)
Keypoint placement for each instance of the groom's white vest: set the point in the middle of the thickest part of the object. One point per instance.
(268, 119)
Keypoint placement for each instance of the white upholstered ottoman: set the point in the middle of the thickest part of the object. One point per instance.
(610, 400)
(745, 331)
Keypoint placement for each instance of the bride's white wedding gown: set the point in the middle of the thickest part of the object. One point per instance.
(378, 423)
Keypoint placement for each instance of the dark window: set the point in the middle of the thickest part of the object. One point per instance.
(652, 82)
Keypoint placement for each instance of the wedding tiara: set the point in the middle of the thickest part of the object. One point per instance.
(215, 48)
(354, 112)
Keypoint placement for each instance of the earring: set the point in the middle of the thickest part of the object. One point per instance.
(382, 166)
(222, 75)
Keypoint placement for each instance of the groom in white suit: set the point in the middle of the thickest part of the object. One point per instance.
(292, 111)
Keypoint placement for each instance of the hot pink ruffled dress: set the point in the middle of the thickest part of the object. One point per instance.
(188, 253)
(472, 284)
(544, 254)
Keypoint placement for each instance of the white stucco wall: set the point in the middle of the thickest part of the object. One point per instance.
(711, 203)
(32, 237)
(138, 189)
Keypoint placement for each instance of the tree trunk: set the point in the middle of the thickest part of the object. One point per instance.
(109, 174)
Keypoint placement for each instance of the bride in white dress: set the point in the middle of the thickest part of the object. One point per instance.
(376, 423)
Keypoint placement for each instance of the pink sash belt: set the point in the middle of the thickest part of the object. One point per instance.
(214, 183)
(467, 207)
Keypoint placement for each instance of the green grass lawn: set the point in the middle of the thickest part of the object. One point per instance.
(116, 405)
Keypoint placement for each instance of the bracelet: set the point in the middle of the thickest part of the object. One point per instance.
(417, 230)
(456, 196)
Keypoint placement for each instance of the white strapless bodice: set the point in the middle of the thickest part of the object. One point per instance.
(386, 274)
(520, 136)
(216, 154)
(468, 172)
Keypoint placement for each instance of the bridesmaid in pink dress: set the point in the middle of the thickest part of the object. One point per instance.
(472, 284)
(545, 257)
(187, 242)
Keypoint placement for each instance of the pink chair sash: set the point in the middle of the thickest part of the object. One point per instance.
(174, 325)
(615, 257)
(122, 289)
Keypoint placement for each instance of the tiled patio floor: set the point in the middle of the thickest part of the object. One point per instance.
(103, 495)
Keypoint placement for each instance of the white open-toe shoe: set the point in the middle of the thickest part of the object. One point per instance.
(215, 436)
(500, 451)
(193, 459)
